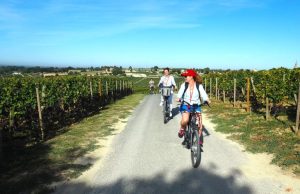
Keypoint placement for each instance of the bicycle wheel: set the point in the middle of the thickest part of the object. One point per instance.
(195, 149)
(187, 138)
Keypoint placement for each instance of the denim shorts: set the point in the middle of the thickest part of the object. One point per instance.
(188, 108)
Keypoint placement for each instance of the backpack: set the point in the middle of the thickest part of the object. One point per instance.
(186, 85)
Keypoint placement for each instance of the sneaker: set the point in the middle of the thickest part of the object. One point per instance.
(181, 133)
(161, 103)
(171, 114)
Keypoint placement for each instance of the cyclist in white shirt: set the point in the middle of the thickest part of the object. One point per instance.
(167, 80)
(151, 85)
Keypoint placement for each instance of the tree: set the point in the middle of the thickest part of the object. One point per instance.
(117, 71)
(177, 71)
(130, 68)
(206, 70)
(155, 68)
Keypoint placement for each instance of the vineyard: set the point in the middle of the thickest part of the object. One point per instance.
(272, 92)
(42, 120)
(33, 108)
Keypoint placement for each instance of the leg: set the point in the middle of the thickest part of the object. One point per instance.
(200, 127)
(161, 100)
(170, 103)
(183, 123)
(184, 119)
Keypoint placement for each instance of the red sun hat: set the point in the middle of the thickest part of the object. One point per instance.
(189, 72)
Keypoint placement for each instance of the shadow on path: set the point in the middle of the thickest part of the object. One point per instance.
(175, 111)
(190, 181)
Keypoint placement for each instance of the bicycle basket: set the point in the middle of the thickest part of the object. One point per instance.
(166, 91)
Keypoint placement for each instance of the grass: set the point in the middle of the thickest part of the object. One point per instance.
(30, 170)
(258, 135)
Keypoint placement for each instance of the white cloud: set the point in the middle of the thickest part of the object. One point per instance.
(54, 19)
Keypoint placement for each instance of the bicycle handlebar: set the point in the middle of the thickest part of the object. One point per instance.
(204, 103)
(162, 86)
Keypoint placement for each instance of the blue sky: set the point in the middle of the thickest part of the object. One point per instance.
(227, 34)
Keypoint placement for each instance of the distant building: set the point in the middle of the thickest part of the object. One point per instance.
(49, 74)
(136, 75)
(54, 74)
(17, 73)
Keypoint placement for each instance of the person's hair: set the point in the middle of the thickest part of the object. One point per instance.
(198, 79)
(167, 68)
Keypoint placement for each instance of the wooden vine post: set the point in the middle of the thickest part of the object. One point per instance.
(210, 87)
(205, 84)
(248, 94)
(110, 88)
(100, 88)
(106, 87)
(267, 109)
(127, 87)
(116, 85)
(253, 86)
(243, 91)
(216, 88)
(91, 89)
(234, 92)
(298, 114)
(40, 113)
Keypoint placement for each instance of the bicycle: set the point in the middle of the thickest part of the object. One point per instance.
(191, 136)
(166, 93)
(152, 90)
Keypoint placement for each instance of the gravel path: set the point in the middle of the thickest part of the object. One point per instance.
(147, 157)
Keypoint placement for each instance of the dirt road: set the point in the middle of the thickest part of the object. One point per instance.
(147, 157)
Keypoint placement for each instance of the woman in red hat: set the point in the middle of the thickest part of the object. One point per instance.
(191, 93)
